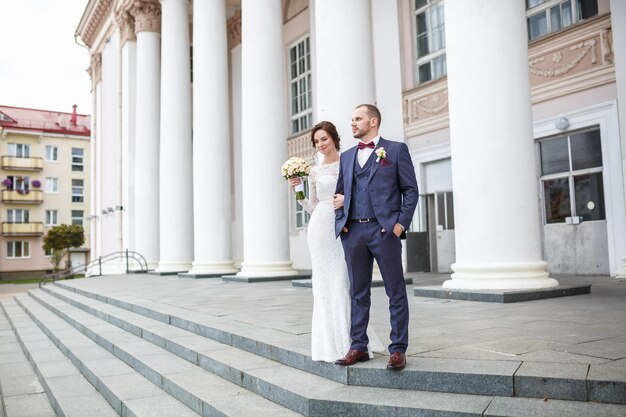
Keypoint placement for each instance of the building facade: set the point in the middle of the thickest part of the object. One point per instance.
(513, 113)
(45, 183)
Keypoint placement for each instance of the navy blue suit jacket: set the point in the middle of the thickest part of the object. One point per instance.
(392, 186)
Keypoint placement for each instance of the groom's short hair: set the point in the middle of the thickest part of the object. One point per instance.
(372, 111)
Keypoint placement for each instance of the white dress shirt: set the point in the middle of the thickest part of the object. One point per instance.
(363, 154)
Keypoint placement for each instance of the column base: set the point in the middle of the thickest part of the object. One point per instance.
(505, 276)
(267, 270)
(171, 267)
(210, 269)
(621, 274)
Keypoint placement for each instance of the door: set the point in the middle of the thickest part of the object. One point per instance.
(572, 190)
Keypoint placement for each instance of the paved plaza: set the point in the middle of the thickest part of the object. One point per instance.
(582, 329)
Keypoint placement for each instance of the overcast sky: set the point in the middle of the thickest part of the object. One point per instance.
(40, 64)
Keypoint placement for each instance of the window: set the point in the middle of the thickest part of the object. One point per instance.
(19, 183)
(548, 16)
(300, 76)
(52, 217)
(52, 185)
(302, 216)
(19, 150)
(18, 250)
(77, 217)
(78, 191)
(571, 177)
(78, 159)
(444, 210)
(18, 216)
(52, 153)
(430, 40)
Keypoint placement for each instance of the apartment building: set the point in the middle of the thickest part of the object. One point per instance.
(44, 177)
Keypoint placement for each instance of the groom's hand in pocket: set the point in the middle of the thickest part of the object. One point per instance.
(398, 229)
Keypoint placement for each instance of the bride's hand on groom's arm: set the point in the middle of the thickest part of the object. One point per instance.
(337, 201)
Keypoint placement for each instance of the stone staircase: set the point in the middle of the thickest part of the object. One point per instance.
(96, 354)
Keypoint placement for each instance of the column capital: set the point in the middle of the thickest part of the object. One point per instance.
(147, 14)
(95, 68)
(126, 23)
(234, 29)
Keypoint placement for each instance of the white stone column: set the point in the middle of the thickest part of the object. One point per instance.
(147, 27)
(175, 175)
(342, 61)
(95, 71)
(125, 209)
(387, 66)
(211, 142)
(618, 26)
(493, 162)
(264, 142)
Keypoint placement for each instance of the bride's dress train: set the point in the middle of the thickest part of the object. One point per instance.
(330, 326)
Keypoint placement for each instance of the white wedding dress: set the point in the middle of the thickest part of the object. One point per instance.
(330, 325)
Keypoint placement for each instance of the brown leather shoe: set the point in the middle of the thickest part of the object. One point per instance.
(397, 361)
(353, 357)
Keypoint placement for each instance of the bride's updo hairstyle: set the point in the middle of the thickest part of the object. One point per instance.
(329, 128)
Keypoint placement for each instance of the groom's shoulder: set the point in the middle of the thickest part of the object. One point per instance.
(393, 143)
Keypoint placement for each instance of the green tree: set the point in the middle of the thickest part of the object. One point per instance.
(60, 239)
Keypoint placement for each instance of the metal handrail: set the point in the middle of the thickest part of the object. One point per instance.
(127, 254)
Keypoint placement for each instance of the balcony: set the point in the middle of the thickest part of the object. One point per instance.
(22, 197)
(21, 164)
(22, 229)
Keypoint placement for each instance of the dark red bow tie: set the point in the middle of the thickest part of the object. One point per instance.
(362, 145)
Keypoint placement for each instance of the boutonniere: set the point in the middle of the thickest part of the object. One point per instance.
(381, 155)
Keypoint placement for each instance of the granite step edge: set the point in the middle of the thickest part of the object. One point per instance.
(90, 398)
(173, 383)
(326, 398)
(473, 377)
(494, 378)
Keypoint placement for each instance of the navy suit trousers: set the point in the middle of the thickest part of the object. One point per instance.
(363, 243)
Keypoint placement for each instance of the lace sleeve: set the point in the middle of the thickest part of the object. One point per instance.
(310, 203)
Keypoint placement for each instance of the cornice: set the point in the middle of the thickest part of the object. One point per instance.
(96, 13)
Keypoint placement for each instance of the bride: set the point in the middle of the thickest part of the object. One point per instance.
(330, 326)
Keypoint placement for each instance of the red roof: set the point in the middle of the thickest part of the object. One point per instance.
(46, 121)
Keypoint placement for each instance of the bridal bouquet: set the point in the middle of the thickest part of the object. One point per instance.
(296, 167)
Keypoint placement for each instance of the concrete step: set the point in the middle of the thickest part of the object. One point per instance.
(69, 392)
(478, 377)
(202, 391)
(298, 390)
(21, 393)
(302, 392)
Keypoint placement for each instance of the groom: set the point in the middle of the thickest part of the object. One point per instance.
(378, 182)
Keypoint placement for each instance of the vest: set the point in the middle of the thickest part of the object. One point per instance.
(361, 204)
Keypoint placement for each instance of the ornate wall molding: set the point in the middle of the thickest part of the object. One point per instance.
(426, 108)
(234, 30)
(587, 47)
(575, 59)
(147, 16)
(126, 23)
(580, 49)
(95, 18)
